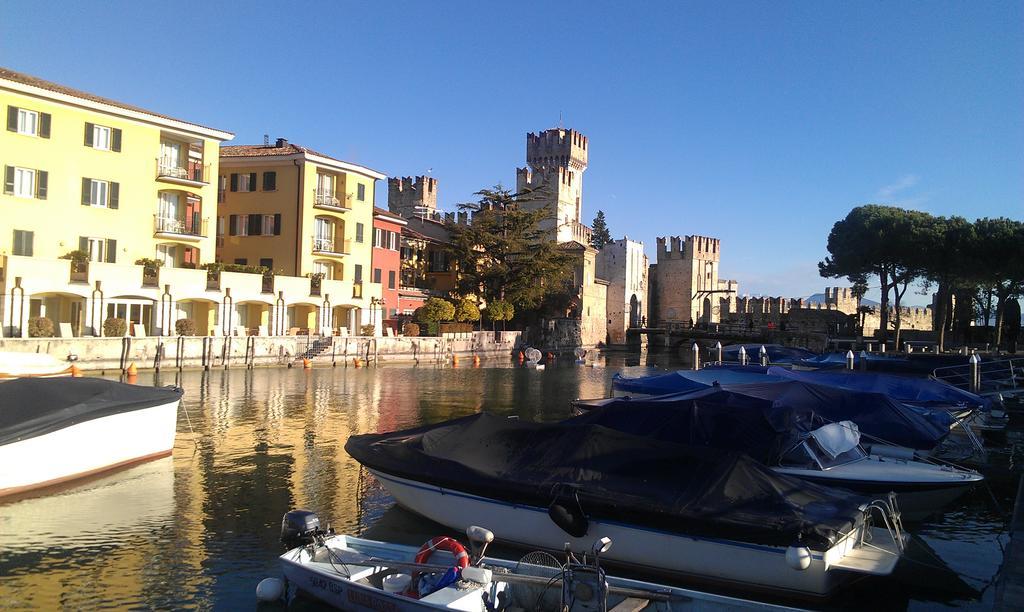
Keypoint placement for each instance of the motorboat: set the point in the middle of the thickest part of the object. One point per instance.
(54, 430)
(25, 365)
(776, 353)
(789, 441)
(352, 573)
(704, 513)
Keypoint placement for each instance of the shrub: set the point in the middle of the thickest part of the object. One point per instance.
(114, 327)
(411, 329)
(40, 327)
(77, 256)
(149, 264)
(466, 310)
(456, 328)
(185, 327)
(435, 309)
(368, 329)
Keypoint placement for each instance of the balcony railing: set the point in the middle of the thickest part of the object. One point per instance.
(213, 280)
(150, 276)
(357, 289)
(193, 172)
(184, 226)
(268, 283)
(331, 246)
(79, 271)
(328, 201)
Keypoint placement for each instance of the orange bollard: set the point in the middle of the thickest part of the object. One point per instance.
(76, 372)
(551, 356)
(132, 370)
(455, 361)
(476, 361)
(307, 364)
(357, 362)
(521, 357)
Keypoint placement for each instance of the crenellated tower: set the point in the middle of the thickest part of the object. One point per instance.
(411, 197)
(553, 178)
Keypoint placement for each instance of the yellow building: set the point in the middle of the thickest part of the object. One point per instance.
(298, 212)
(120, 183)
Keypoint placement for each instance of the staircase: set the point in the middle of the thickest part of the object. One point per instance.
(316, 347)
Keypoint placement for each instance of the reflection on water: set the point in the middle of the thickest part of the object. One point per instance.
(200, 529)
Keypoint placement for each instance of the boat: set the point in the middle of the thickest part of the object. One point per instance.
(777, 353)
(53, 430)
(702, 513)
(24, 365)
(789, 441)
(352, 573)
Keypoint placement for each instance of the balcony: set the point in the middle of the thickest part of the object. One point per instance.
(184, 229)
(331, 247)
(194, 173)
(326, 201)
(79, 272)
(357, 290)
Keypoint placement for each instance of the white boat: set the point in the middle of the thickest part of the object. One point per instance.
(25, 365)
(53, 430)
(351, 573)
(701, 513)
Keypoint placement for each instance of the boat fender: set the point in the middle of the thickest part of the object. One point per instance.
(569, 517)
(477, 574)
(270, 589)
(798, 557)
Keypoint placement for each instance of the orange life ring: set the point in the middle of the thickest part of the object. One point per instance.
(447, 544)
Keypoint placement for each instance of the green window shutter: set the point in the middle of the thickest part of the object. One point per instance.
(115, 192)
(232, 224)
(9, 180)
(234, 181)
(115, 140)
(44, 125)
(42, 179)
(252, 181)
(83, 244)
(12, 118)
(111, 251)
(18, 238)
(86, 192)
(277, 224)
(88, 134)
(29, 242)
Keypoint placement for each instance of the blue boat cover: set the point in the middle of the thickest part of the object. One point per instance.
(683, 381)
(776, 353)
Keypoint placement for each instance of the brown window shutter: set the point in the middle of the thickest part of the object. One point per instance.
(44, 125)
(12, 118)
(115, 192)
(277, 224)
(83, 244)
(111, 251)
(88, 134)
(232, 223)
(255, 225)
(42, 179)
(9, 180)
(86, 192)
(234, 181)
(115, 140)
(252, 181)
(269, 181)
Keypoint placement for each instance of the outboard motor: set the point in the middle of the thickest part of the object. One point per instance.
(298, 528)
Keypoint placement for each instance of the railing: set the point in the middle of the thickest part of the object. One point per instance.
(184, 226)
(323, 199)
(315, 283)
(150, 276)
(213, 280)
(357, 289)
(79, 271)
(268, 283)
(193, 172)
(581, 233)
(1004, 376)
(331, 246)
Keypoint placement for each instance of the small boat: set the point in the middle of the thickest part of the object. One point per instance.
(703, 513)
(789, 441)
(351, 573)
(53, 430)
(777, 353)
(30, 365)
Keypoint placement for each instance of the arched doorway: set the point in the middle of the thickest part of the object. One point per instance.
(634, 311)
(705, 313)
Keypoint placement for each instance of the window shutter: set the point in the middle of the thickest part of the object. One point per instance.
(269, 181)
(42, 177)
(12, 118)
(234, 182)
(8, 179)
(233, 222)
(88, 134)
(277, 224)
(83, 244)
(115, 191)
(115, 140)
(18, 239)
(111, 251)
(252, 181)
(255, 223)
(86, 192)
(44, 125)
(27, 242)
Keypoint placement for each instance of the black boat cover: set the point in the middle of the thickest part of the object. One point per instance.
(616, 476)
(31, 407)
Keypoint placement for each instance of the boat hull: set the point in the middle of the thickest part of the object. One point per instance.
(916, 501)
(87, 449)
(737, 564)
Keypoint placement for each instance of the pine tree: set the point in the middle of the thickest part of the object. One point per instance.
(600, 236)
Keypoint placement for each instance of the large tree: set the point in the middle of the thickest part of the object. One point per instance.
(945, 244)
(505, 254)
(600, 234)
(997, 256)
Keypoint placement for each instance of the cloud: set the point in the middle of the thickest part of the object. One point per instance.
(897, 194)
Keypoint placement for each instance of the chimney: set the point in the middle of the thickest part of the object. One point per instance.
(282, 142)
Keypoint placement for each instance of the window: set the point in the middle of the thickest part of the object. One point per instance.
(167, 253)
(99, 249)
(376, 275)
(242, 261)
(243, 182)
(361, 192)
(269, 181)
(270, 225)
(102, 137)
(23, 243)
(359, 232)
(357, 275)
(104, 194)
(378, 237)
(393, 241)
(220, 226)
(391, 279)
(24, 183)
(28, 122)
(267, 263)
(238, 225)
(320, 267)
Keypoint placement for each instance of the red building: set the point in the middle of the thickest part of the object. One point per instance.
(387, 262)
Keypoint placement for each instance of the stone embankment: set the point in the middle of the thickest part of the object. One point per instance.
(172, 352)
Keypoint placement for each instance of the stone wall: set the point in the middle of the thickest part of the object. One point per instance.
(919, 319)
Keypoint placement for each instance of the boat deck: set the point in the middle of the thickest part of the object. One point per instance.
(1010, 587)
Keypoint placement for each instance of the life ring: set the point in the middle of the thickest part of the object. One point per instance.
(447, 544)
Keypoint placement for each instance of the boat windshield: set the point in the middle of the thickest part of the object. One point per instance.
(828, 461)
(799, 457)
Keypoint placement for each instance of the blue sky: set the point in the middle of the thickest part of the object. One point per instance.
(759, 123)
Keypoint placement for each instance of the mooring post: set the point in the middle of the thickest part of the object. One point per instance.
(743, 355)
(849, 359)
(718, 351)
(975, 372)
(764, 356)
(863, 360)
(696, 356)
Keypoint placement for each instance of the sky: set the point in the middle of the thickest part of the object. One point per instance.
(760, 123)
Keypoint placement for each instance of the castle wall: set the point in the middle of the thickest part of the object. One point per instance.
(556, 160)
(920, 319)
(413, 197)
(625, 266)
(686, 278)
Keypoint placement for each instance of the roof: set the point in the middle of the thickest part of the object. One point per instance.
(284, 148)
(389, 216)
(572, 245)
(36, 82)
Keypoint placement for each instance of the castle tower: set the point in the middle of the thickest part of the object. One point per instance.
(553, 179)
(685, 285)
(413, 197)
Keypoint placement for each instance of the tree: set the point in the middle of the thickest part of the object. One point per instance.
(435, 310)
(466, 311)
(946, 242)
(505, 254)
(997, 255)
(499, 310)
(600, 235)
(858, 290)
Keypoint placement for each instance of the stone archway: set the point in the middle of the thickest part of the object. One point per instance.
(634, 311)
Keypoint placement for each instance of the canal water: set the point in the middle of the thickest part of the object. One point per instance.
(200, 529)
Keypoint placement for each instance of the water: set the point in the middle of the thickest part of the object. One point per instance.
(200, 529)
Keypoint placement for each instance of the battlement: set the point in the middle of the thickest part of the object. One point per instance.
(703, 247)
(409, 196)
(557, 147)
